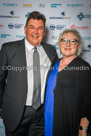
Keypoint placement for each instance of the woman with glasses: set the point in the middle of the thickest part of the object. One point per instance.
(68, 94)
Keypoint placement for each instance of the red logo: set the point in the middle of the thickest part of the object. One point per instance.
(1, 25)
(79, 27)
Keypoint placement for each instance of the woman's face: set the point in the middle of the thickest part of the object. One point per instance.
(69, 48)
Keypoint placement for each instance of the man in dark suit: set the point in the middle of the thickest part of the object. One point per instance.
(19, 115)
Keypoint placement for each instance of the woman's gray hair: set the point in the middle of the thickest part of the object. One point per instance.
(78, 36)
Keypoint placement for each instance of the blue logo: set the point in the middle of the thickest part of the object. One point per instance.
(12, 12)
(17, 26)
(27, 14)
(58, 27)
(62, 17)
(20, 36)
(86, 38)
(5, 35)
(81, 16)
(89, 46)
(63, 13)
(10, 4)
(55, 5)
(11, 26)
(52, 27)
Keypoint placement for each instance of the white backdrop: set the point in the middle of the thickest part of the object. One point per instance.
(60, 14)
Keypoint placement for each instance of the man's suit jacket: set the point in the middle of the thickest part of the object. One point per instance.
(13, 91)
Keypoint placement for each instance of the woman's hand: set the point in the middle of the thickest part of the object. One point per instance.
(82, 133)
(84, 123)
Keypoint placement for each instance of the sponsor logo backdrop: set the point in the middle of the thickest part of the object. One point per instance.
(60, 14)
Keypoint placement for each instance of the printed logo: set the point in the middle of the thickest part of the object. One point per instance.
(27, 5)
(63, 16)
(54, 37)
(41, 5)
(10, 4)
(1, 26)
(5, 35)
(75, 5)
(52, 27)
(63, 13)
(20, 36)
(10, 16)
(55, 5)
(81, 16)
(11, 26)
(85, 50)
(12, 12)
(27, 14)
(79, 27)
(58, 27)
(89, 46)
(17, 26)
(86, 38)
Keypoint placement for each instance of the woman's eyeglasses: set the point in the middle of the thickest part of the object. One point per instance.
(71, 41)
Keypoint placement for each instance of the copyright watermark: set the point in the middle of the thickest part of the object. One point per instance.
(22, 68)
(28, 68)
(13, 68)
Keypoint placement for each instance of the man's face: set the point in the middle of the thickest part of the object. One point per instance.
(35, 31)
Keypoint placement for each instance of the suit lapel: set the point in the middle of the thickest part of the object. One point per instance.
(22, 59)
(22, 53)
(47, 50)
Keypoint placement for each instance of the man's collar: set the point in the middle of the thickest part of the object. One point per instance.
(29, 46)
